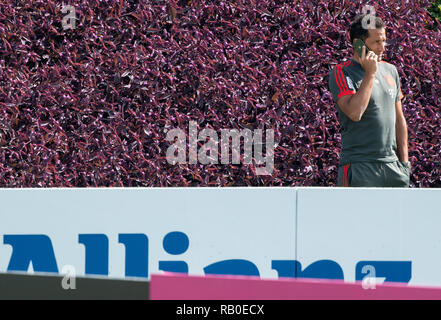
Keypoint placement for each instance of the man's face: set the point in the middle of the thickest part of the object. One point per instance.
(377, 41)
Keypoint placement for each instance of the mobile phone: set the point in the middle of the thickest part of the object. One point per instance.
(358, 47)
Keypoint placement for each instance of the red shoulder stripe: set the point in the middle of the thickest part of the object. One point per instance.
(337, 79)
(340, 78)
(343, 85)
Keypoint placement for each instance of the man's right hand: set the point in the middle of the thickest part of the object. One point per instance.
(369, 61)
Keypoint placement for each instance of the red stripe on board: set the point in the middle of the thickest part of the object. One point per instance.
(211, 287)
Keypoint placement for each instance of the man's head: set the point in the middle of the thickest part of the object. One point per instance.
(375, 39)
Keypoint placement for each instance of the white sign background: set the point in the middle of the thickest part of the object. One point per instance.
(345, 225)
(255, 224)
(348, 225)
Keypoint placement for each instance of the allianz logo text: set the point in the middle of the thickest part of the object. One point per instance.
(38, 249)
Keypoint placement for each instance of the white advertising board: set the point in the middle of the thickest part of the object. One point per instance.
(335, 233)
(389, 234)
(134, 232)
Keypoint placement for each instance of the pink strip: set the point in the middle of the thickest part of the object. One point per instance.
(170, 286)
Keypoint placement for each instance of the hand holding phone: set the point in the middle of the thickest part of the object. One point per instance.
(358, 47)
(368, 59)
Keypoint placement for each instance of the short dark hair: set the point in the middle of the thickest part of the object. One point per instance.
(357, 30)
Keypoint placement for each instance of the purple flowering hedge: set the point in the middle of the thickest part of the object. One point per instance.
(91, 105)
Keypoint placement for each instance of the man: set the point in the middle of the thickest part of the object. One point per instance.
(368, 95)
